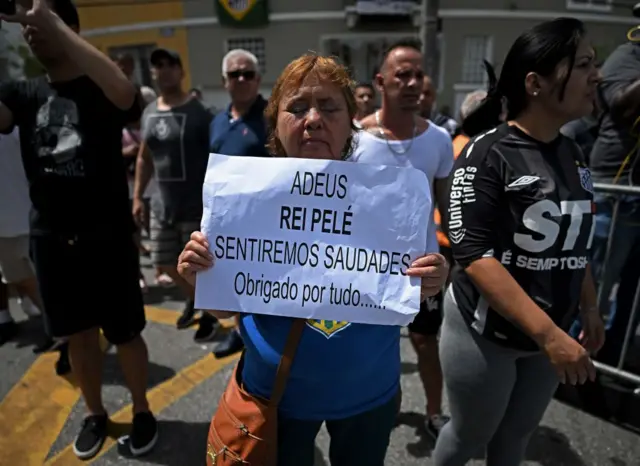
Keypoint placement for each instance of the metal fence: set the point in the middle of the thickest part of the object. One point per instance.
(618, 371)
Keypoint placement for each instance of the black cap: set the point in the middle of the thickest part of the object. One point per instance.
(165, 54)
(67, 11)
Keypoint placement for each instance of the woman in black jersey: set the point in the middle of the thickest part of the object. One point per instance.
(520, 225)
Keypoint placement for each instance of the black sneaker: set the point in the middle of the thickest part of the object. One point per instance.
(435, 424)
(188, 317)
(63, 365)
(144, 434)
(47, 344)
(207, 328)
(231, 345)
(8, 330)
(91, 436)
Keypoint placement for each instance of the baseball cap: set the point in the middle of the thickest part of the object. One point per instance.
(67, 12)
(165, 54)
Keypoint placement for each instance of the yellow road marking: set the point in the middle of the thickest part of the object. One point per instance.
(160, 397)
(168, 317)
(33, 413)
(36, 409)
(161, 316)
(38, 406)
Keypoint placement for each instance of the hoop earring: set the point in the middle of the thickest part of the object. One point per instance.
(633, 34)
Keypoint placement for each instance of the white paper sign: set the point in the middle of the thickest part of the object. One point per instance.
(315, 239)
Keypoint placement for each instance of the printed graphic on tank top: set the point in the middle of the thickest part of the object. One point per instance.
(530, 205)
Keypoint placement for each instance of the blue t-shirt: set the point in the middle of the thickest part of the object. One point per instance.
(339, 370)
(243, 136)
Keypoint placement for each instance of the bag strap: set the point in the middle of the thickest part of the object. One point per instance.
(286, 360)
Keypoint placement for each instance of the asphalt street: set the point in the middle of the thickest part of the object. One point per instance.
(40, 412)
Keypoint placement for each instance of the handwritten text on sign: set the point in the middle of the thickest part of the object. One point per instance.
(314, 239)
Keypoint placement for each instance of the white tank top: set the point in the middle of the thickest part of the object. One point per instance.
(430, 152)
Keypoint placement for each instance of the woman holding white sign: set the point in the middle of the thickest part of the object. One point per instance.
(347, 375)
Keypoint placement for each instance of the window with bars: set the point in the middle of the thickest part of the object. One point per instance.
(255, 45)
(597, 5)
(476, 49)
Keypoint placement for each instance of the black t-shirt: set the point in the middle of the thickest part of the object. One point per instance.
(71, 138)
(178, 140)
(530, 205)
(614, 142)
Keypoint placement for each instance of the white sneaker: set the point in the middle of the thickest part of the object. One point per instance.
(30, 309)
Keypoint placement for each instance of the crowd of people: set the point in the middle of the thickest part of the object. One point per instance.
(99, 161)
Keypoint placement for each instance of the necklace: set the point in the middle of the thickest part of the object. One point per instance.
(404, 149)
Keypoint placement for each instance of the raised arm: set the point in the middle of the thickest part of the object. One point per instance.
(106, 74)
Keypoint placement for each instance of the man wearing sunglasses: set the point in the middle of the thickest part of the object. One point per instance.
(240, 130)
(175, 142)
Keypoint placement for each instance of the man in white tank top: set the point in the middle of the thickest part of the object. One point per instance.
(395, 135)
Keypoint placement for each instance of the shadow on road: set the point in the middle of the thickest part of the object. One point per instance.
(408, 368)
(547, 447)
(113, 374)
(425, 444)
(192, 440)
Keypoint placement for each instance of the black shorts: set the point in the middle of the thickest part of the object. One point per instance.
(87, 283)
(429, 319)
(447, 253)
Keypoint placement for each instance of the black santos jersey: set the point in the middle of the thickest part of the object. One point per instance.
(529, 205)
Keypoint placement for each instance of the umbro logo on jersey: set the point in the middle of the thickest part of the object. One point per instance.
(524, 181)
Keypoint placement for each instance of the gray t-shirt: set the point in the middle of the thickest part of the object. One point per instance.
(584, 132)
(620, 70)
(178, 140)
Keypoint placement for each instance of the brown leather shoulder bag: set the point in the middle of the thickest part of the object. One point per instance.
(244, 429)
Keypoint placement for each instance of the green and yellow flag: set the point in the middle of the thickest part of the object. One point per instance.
(242, 13)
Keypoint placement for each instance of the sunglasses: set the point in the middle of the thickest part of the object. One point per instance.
(247, 75)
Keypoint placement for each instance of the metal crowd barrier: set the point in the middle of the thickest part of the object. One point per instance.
(618, 371)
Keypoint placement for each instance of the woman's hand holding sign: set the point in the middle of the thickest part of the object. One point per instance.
(196, 257)
(433, 270)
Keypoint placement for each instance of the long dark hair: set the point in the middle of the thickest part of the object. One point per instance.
(538, 50)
